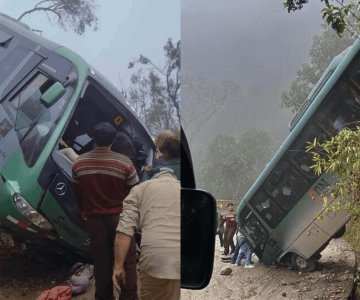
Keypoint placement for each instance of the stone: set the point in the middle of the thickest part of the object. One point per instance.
(226, 271)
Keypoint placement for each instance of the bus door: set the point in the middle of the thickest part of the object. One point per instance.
(310, 241)
(93, 107)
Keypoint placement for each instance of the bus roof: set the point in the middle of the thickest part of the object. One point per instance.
(24, 30)
(349, 54)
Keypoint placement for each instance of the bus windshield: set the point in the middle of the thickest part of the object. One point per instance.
(33, 121)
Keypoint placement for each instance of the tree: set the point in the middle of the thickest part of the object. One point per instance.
(341, 17)
(75, 14)
(230, 164)
(324, 48)
(207, 98)
(341, 156)
(155, 91)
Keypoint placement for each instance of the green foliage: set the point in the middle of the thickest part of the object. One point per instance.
(78, 15)
(155, 92)
(324, 48)
(353, 235)
(292, 5)
(340, 155)
(230, 164)
(340, 17)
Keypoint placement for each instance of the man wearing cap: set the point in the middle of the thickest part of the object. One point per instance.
(102, 180)
(229, 219)
(153, 206)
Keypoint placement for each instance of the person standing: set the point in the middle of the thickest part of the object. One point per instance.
(240, 238)
(221, 230)
(245, 252)
(168, 153)
(153, 206)
(102, 180)
(230, 223)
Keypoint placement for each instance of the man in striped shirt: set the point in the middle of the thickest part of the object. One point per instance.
(102, 180)
(229, 219)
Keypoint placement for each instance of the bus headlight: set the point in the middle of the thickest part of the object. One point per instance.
(30, 213)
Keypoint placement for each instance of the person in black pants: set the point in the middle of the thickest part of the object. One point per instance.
(229, 220)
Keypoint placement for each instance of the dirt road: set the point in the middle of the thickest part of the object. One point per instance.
(23, 278)
(333, 279)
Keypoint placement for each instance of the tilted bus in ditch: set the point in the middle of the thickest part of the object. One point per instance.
(283, 214)
(49, 95)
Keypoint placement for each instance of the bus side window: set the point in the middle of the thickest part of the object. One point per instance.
(341, 108)
(290, 189)
(303, 161)
(299, 158)
(267, 209)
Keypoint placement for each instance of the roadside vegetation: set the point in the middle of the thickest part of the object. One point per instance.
(340, 154)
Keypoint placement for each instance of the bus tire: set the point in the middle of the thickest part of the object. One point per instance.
(302, 264)
(338, 234)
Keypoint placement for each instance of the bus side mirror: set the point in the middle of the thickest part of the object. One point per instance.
(53, 94)
(198, 221)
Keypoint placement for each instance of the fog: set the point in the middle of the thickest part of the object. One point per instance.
(256, 47)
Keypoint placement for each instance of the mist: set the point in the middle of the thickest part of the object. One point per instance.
(253, 46)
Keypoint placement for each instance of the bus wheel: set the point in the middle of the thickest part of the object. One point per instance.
(338, 234)
(302, 264)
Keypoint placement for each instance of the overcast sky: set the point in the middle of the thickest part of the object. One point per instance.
(246, 39)
(127, 28)
(255, 44)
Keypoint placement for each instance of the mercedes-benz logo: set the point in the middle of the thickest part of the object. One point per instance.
(60, 189)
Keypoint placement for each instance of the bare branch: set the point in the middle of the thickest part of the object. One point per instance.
(41, 2)
(33, 10)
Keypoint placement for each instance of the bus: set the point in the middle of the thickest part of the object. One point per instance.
(51, 97)
(283, 214)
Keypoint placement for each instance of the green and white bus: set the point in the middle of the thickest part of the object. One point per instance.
(50, 96)
(280, 213)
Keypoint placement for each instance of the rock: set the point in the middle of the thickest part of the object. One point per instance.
(283, 294)
(226, 271)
